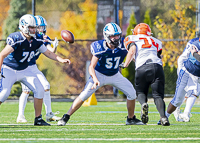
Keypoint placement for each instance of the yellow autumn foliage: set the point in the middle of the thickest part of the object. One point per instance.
(4, 7)
(183, 26)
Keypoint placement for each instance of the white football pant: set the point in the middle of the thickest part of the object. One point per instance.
(116, 80)
(185, 79)
(45, 85)
(25, 76)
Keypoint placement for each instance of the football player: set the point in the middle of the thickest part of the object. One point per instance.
(146, 51)
(192, 91)
(108, 54)
(50, 116)
(188, 76)
(14, 60)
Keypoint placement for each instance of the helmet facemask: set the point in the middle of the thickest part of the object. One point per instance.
(115, 42)
(41, 30)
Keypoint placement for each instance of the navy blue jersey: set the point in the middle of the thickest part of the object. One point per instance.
(37, 54)
(191, 64)
(24, 50)
(109, 60)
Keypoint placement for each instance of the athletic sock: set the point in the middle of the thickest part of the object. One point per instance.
(47, 102)
(167, 114)
(189, 104)
(22, 102)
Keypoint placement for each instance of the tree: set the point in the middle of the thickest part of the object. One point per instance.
(147, 19)
(4, 7)
(181, 27)
(129, 72)
(17, 9)
(82, 25)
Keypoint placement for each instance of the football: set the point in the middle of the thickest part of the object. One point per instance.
(67, 36)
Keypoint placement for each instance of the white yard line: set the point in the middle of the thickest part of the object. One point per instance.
(95, 139)
(82, 124)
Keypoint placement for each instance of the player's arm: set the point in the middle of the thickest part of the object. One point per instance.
(52, 55)
(92, 65)
(4, 53)
(131, 54)
(195, 53)
(51, 49)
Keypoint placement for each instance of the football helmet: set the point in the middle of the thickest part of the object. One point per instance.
(42, 23)
(112, 29)
(26, 21)
(142, 28)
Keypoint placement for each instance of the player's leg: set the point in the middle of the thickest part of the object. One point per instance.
(50, 116)
(185, 116)
(22, 103)
(84, 95)
(32, 82)
(181, 83)
(7, 82)
(127, 88)
(158, 93)
(193, 93)
(143, 78)
(177, 112)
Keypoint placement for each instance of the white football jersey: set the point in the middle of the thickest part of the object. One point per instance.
(146, 48)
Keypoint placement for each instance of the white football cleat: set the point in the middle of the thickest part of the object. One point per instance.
(51, 116)
(177, 114)
(185, 117)
(21, 119)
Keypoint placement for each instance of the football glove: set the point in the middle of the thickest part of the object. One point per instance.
(55, 43)
(122, 65)
(2, 76)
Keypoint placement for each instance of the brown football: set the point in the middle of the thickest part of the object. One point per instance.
(67, 36)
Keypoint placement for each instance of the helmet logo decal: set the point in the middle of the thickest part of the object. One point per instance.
(23, 22)
(106, 28)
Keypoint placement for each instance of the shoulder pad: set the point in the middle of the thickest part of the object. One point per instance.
(128, 40)
(14, 38)
(193, 40)
(97, 47)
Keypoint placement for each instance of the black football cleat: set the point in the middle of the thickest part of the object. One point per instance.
(40, 122)
(144, 113)
(165, 121)
(133, 121)
(63, 120)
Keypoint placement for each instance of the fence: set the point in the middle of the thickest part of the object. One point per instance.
(70, 79)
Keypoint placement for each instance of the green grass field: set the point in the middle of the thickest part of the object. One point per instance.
(102, 123)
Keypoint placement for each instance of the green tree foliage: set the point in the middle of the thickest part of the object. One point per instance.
(129, 72)
(147, 19)
(132, 24)
(17, 9)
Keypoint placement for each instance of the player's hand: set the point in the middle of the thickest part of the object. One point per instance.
(96, 83)
(2, 76)
(64, 61)
(122, 66)
(55, 43)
